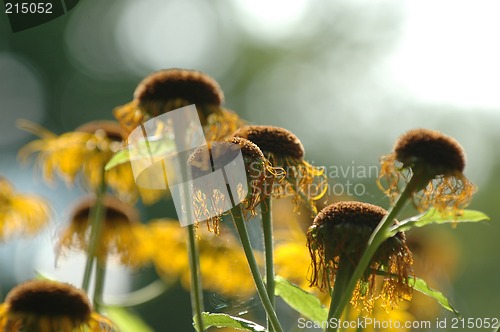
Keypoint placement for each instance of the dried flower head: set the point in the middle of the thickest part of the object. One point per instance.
(283, 149)
(260, 176)
(20, 213)
(341, 232)
(169, 89)
(48, 306)
(437, 160)
(122, 236)
(85, 151)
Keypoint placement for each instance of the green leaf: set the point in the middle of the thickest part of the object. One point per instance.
(126, 321)
(433, 216)
(421, 286)
(121, 157)
(223, 320)
(151, 148)
(303, 302)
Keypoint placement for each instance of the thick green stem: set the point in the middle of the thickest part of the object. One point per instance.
(267, 226)
(342, 278)
(196, 288)
(379, 235)
(96, 215)
(100, 274)
(254, 269)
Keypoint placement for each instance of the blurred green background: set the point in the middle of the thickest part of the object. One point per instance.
(346, 76)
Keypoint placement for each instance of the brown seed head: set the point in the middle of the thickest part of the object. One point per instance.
(222, 153)
(112, 129)
(192, 86)
(275, 140)
(116, 211)
(351, 212)
(440, 154)
(49, 299)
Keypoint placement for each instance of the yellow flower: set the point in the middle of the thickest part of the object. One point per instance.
(48, 306)
(260, 176)
(304, 182)
(341, 231)
(438, 161)
(85, 151)
(122, 236)
(169, 89)
(19, 213)
(223, 266)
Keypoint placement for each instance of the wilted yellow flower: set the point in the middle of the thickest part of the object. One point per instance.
(223, 265)
(260, 176)
(20, 213)
(49, 306)
(303, 181)
(341, 231)
(122, 236)
(85, 151)
(437, 160)
(169, 89)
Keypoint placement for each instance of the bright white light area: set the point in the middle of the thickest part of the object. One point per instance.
(450, 52)
(271, 19)
(159, 34)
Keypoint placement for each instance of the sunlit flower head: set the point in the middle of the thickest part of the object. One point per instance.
(169, 89)
(122, 236)
(260, 177)
(223, 265)
(20, 213)
(49, 306)
(437, 160)
(341, 231)
(304, 182)
(84, 152)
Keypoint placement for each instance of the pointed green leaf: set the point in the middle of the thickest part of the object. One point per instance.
(303, 302)
(422, 287)
(121, 157)
(126, 321)
(433, 216)
(152, 148)
(223, 320)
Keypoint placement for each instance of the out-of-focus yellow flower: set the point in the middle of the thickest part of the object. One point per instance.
(169, 89)
(223, 265)
(20, 213)
(85, 151)
(339, 235)
(122, 236)
(438, 161)
(303, 181)
(260, 176)
(436, 254)
(48, 306)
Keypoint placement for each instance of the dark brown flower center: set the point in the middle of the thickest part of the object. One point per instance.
(52, 299)
(117, 212)
(439, 153)
(192, 86)
(274, 140)
(112, 129)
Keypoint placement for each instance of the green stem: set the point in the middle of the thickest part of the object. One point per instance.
(96, 215)
(379, 235)
(267, 226)
(196, 288)
(254, 269)
(100, 275)
(342, 278)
